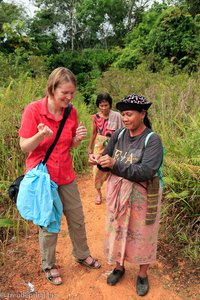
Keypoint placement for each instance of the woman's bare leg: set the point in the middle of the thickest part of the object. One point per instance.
(98, 197)
(143, 270)
(119, 267)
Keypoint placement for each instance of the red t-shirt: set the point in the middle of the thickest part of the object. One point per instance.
(59, 164)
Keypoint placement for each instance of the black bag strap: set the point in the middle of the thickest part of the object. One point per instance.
(62, 123)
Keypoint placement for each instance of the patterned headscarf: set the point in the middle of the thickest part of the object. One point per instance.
(133, 102)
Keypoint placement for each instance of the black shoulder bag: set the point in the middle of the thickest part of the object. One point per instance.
(14, 187)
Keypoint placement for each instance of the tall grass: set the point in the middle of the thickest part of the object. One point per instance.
(13, 99)
(79, 154)
(175, 116)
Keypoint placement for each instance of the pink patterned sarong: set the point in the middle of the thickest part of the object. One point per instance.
(127, 236)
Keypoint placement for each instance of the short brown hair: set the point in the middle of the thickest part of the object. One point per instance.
(58, 76)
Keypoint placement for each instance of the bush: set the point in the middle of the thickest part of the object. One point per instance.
(164, 33)
(129, 59)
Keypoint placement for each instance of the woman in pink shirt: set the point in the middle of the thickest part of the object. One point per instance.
(39, 125)
(104, 124)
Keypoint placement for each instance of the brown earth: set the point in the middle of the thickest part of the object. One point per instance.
(171, 278)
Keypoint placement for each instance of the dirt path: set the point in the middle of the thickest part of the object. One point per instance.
(80, 283)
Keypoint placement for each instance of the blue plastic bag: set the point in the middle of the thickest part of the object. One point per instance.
(38, 199)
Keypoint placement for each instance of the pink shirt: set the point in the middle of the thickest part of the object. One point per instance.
(102, 125)
(59, 164)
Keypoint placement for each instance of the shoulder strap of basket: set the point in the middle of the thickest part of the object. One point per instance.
(159, 172)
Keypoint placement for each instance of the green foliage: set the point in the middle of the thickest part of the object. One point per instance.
(83, 61)
(193, 6)
(86, 23)
(13, 99)
(11, 224)
(6, 223)
(87, 64)
(45, 44)
(13, 34)
(13, 28)
(129, 59)
(46, 41)
(15, 65)
(10, 12)
(79, 154)
(154, 62)
(163, 33)
(98, 24)
(175, 34)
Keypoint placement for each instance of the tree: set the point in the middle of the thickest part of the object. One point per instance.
(99, 21)
(165, 32)
(9, 13)
(56, 16)
(13, 29)
(175, 34)
(108, 20)
(135, 10)
(193, 7)
(43, 34)
(89, 23)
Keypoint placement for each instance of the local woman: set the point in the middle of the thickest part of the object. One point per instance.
(134, 156)
(104, 124)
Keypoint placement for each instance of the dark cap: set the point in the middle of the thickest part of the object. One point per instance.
(133, 102)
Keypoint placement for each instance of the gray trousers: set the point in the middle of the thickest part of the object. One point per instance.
(73, 211)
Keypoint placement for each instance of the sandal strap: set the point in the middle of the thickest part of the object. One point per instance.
(93, 259)
(50, 275)
(93, 262)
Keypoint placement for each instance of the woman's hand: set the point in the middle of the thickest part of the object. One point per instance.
(44, 130)
(106, 161)
(30, 144)
(93, 158)
(81, 132)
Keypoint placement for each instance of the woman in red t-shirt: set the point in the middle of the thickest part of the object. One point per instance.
(39, 125)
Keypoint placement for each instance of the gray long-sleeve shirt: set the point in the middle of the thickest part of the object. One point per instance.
(135, 161)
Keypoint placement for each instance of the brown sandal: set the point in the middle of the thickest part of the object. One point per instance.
(51, 274)
(92, 265)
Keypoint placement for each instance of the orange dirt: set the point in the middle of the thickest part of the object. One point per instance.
(23, 267)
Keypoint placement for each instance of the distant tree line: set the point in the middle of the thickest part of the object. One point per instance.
(90, 36)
